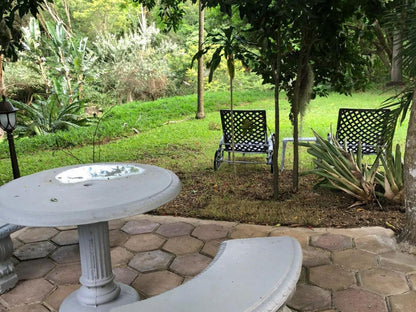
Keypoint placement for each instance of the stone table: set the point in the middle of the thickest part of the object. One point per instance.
(89, 196)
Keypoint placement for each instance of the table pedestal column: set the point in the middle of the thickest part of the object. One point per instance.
(98, 292)
(97, 278)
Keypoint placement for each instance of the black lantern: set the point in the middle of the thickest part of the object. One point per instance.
(8, 124)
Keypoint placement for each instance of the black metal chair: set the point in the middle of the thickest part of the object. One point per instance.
(367, 126)
(250, 136)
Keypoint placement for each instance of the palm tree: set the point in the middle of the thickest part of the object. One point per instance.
(230, 45)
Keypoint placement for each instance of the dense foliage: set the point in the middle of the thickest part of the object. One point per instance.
(124, 56)
(11, 14)
(71, 59)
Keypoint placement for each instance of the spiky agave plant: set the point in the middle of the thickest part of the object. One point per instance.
(341, 170)
(391, 178)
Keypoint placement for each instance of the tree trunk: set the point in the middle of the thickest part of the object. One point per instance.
(276, 73)
(295, 111)
(383, 46)
(2, 88)
(232, 125)
(409, 232)
(396, 62)
(200, 108)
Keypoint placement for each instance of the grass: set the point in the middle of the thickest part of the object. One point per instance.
(123, 120)
(165, 133)
(165, 128)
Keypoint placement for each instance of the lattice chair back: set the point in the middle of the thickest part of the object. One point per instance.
(362, 125)
(250, 130)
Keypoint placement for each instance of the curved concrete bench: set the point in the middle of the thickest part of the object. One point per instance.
(247, 275)
(8, 277)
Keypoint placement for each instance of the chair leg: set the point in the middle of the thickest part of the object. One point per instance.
(282, 162)
(218, 159)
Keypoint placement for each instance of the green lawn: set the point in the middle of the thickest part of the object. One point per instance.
(165, 132)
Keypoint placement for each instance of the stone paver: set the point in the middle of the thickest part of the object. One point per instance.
(354, 300)
(16, 243)
(65, 274)
(315, 256)
(332, 277)
(124, 275)
(144, 242)
(34, 250)
(343, 269)
(175, 229)
(310, 298)
(66, 254)
(116, 224)
(118, 238)
(139, 227)
(363, 231)
(210, 231)
(248, 230)
(183, 245)
(403, 302)
(384, 282)
(30, 308)
(120, 256)
(37, 234)
(55, 299)
(355, 259)
(190, 265)
(63, 238)
(412, 280)
(300, 235)
(155, 283)
(25, 270)
(331, 242)
(151, 261)
(398, 261)
(31, 291)
(211, 248)
(375, 244)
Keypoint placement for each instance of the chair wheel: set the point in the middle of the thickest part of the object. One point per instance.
(217, 159)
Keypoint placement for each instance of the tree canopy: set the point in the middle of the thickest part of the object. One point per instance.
(302, 47)
(11, 12)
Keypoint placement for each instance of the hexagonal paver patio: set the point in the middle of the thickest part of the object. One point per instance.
(348, 270)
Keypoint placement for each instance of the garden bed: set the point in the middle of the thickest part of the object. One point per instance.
(248, 197)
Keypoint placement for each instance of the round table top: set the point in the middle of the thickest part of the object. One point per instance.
(85, 194)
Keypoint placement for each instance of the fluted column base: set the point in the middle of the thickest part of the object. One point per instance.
(98, 292)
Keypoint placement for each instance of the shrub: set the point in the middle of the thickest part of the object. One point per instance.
(136, 65)
(342, 170)
(62, 66)
(22, 82)
(59, 111)
(347, 172)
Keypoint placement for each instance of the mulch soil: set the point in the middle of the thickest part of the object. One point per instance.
(247, 196)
